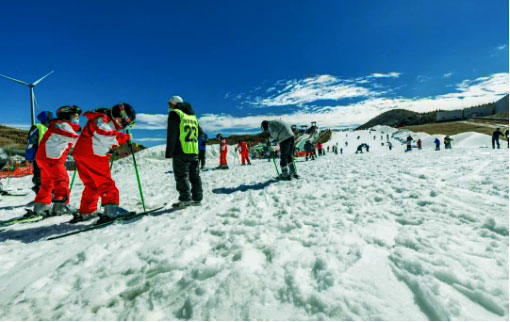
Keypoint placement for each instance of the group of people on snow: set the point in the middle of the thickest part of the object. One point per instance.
(49, 143)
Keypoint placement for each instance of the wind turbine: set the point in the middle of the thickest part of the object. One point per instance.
(32, 95)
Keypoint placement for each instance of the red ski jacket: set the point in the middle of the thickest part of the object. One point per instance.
(99, 136)
(223, 146)
(57, 141)
(242, 147)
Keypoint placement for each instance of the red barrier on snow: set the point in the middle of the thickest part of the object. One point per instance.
(17, 172)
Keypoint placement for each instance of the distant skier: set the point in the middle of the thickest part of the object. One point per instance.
(223, 152)
(319, 149)
(448, 142)
(328, 149)
(35, 136)
(309, 150)
(495, 137)
(418, 143)
(92, 154)
(202, 140)
(281, 132)
(182, 148)
(346, 143)
(359, 149)
(51, 156)
(367, 147)
(390, 146)
(438, 144)
(245, 153)
(336, 148)
(341, 151)
(409, 141)
(507, 139)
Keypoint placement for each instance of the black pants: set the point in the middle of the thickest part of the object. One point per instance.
(286, 151)
(201, 158)
(186, 171)
(495, 141)
(36, 178)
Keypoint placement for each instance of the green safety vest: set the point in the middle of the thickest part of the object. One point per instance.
(188, 129)
(42, 129)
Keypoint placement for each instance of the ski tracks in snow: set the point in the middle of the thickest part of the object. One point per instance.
(359, 237)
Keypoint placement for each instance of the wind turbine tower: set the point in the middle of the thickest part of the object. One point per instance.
(32, 95)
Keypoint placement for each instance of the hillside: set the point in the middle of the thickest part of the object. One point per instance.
(399, 118)
(11, 138)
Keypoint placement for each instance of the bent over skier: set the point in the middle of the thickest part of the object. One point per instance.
(281, 132)
(92, 154)
(51, 157)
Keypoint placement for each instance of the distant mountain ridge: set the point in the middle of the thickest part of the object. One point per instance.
(399, 118)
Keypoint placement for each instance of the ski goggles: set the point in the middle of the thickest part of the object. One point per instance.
(125, 117)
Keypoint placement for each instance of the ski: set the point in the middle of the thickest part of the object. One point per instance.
(29, 217)
(13, 194)
(107, 223)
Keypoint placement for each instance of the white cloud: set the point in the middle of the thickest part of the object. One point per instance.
(21, 126)
(322, 87)
(468, 93)
(380, 75)
(502, 47)
(151, 121)
(149, 139)
(447, 75)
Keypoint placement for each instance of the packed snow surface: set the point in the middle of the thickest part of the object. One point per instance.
(384, 235)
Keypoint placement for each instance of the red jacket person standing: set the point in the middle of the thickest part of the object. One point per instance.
(243, 149)
(92, 154)
(51, 157)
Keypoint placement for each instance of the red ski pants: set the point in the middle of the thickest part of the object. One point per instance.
(245, 157)
(95, 174)
(54, 182)
(223, 157)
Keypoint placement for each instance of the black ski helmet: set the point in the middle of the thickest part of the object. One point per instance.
(126, 112)
(219, 136)
(65, 112)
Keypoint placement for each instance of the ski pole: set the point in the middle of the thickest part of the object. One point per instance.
(136, 170)
(276, 168)
(111, 161)
(72, 179)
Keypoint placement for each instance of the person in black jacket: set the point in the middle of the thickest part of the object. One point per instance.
(309, 150)
(495, 137)
(507, 141)
(184, 153)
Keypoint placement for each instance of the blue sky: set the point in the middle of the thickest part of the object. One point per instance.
(336, 62)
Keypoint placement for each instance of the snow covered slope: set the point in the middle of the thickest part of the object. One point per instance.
(384, 235)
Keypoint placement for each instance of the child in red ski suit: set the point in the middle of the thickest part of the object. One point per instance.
(51, 157)
(223, 153)
(243, 148)
(92, 154)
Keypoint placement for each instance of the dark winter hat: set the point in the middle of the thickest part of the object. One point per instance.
(45, 117)
(219, 136)
(264, 126)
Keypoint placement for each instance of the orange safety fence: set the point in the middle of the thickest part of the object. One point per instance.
(18, 171)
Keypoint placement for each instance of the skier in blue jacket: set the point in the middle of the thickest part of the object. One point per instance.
(202, 140)
(35, 136)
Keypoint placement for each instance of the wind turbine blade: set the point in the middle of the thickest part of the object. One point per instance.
(40, 79)
(14, 79)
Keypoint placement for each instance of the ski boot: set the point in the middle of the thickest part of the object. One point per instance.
(182, 204)
(61, 209)
(83, 217)
(196, 203)
(112, 212)
(284, 175)
(41, 209)
(292, 171)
